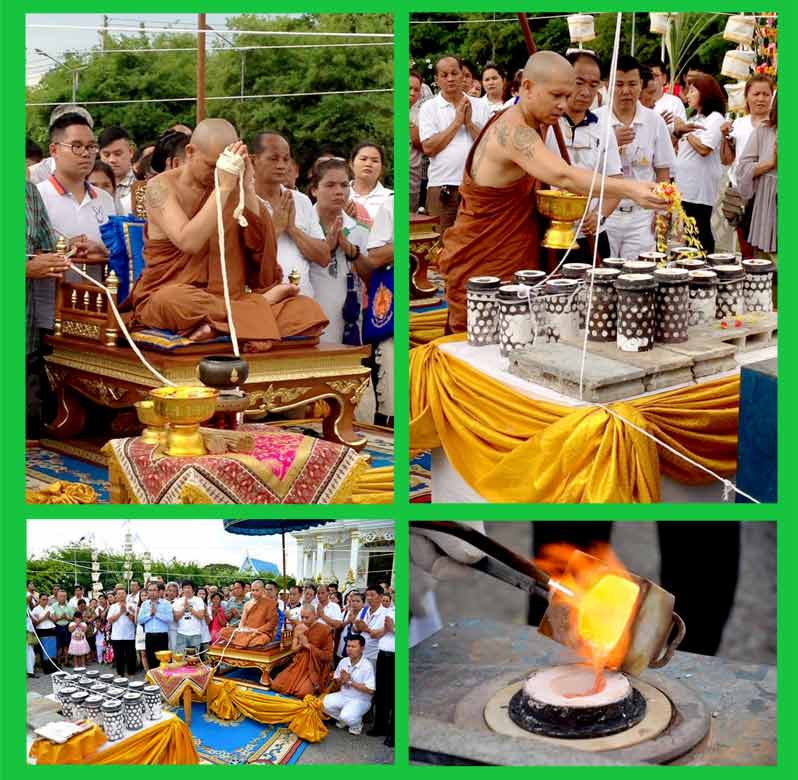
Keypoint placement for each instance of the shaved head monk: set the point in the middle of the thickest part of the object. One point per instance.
(495, 232)
(310, 671)
(180, 288)
(258, 623)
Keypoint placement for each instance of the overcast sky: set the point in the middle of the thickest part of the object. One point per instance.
(203, 541)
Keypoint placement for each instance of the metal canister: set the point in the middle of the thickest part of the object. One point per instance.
(78, 700)
(684, 253)
(152, 702)
(85, 682)
(722, 258)
(137, 686)
(731, 300)
(562, 315)
(703, 296)
(672, 301)
(639, 267)
(515, 322)
(530, 277)
(99, 689)
(58, 681)
(93, 708)
(578, 271)
(636, 311)
(533, 279)
(113, 719)
(658, 258)
(107, 678)
(758, 284)
(120, 682)
(603, 304)
(482, 310)
(133, 707)
(93, 674)
(65, 694)
(691, 263)
(614, 262)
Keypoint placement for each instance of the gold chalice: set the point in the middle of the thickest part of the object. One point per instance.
(185, 409)
(163, 656)
(178, 658)
(155, 425)
(564, 209)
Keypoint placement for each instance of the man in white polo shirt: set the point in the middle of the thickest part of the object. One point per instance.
(300, 239)
(372, 624)
(583, 135)
(448, 125)
(356, 677)
(328, 611)
(76, 209)
(646, 155)
(188, 612)
(668, 106)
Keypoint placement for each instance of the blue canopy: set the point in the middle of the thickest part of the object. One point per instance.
(269, 527)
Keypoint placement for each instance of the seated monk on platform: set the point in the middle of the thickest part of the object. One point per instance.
(310, 671)
(180, 288)
(258, 622)
(495, 233)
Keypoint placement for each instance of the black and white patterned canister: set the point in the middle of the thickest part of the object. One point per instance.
(636, 311)
(515, 322)
(758, 285)
(113, 719)
(731, 300)
(534, 280)
(93, 708)
(683, 253)
(59, 680)
(152, 702)
(672, 302)
(482, 310)
(121, 682)
(85, 682)
(78, 700)
(107, 678)
(562, 314)
(93, 675)
(639, 267)
(703, 296)
(133, 707)
(65, 694)
(660, 258)
(529, 276)
(99, 689)
(578, 271)
(603, 304)
(614, 262)
(722, 258)
(691, 263)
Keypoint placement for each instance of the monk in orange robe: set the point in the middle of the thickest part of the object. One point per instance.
(495, 232)
(310, 670)
(258, 623)
(180, 288)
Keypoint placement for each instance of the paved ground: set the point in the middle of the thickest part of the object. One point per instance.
(339, 747)
(750, 633)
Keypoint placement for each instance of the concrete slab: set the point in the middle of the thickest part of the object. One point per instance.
(557, 366)
(709, 355)
(758, 330)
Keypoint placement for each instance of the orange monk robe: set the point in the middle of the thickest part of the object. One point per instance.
(178, 291)
(261, 617)
(310, 670)
(495, 234)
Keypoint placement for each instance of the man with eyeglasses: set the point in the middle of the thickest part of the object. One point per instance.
(76, 209)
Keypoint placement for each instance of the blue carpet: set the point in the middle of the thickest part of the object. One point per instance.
(241, 742)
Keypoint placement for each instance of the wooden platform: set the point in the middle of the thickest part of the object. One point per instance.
(264, 660)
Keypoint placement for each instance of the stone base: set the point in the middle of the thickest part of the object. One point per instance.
(759, 330)
(707, 355)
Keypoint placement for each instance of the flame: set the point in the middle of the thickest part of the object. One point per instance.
(599, 614)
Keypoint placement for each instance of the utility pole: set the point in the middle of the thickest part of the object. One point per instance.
(201, 69)
(104, 36)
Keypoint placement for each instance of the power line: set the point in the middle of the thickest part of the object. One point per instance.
(232, 97)
(280, 33)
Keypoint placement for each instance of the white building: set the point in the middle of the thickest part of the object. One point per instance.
(351, 552)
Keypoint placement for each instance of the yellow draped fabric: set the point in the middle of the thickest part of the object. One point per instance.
(230, 701)
(374, 487)
(427, 326)
(167, 742)
(511, 448)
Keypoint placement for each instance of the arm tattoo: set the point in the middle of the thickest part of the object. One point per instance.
(525, 139)
(502, 133)
(156, 196)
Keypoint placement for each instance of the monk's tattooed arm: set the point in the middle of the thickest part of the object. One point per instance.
(156, 195)
(525, 139)
(502, 133)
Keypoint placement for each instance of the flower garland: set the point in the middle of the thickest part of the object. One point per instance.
(675, 220)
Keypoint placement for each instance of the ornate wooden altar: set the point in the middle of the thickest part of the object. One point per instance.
(87, 363)
(264, 660)
(424, 241)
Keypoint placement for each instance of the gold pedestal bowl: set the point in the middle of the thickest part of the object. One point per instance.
(164, 657)
(564, 209)
(155, 426)
(185, 409)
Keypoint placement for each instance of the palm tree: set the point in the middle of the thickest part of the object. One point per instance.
(684, 38)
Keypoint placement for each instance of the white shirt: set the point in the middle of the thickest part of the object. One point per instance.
(39, 611)
(376, 198)
(670, 104)
(362, 673)
(124, 191)
(205, 631)
(387, 641)
(332, 611)
(585, 143)
(124, 627)
(697, 177)
(741, 131)
(436, 115)
(381, 232)
(132, 600)
(293, 613)
(373, 620)
(42, 170)
(73, 602)
(288, 255)
(650, 150)
(492, 107)
(188, 625)
(329, 284)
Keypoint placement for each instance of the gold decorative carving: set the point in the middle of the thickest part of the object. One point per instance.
(344, 386)
(106, 394)
(358, 394)
(263, 401)
(84, 329)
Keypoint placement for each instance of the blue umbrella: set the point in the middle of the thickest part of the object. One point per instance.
(269, 528)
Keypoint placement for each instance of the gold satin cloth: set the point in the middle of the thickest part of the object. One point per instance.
(229, 701)
(510, 448)
(374, 486)
(427, 326)
(167, 742)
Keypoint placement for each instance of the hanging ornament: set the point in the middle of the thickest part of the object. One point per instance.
(736, 92)
(740, 29)
(581, 28)
(737, 64)
(659, 23)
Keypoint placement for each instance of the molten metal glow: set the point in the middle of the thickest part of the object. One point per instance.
(605, 610)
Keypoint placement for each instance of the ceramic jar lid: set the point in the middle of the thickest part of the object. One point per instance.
(672, 275)
(729, 273)
(703, 277)
(513, 292)
(652, 257)
(94, 701)
(483, 283)
(131, 697)
(575, 270)
(759, 266)
(112, 705)
(639, 267)
(151, 689)
(722, 258)
(560, 286)
(79, 696)
(529, 277)
(691, 263)
(635, 282)
(603, 275)
(613, 262)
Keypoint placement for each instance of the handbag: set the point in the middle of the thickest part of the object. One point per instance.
(733, 206)
(378, 317)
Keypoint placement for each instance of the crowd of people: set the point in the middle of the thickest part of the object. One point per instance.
(337, 236)
(343, 643)
(661, 132)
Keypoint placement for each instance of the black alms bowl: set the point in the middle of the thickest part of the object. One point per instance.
(223, 371)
